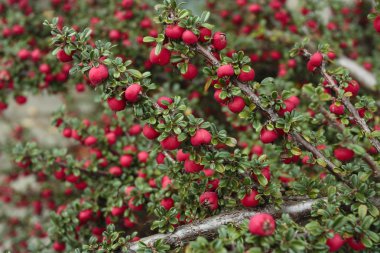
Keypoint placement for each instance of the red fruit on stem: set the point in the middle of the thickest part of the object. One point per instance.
(355, 244)
(181, 156)
(90, 140)
(170, 143)
(85, 215)
(192, 72)
(125, 160)
(165, 100)
(316, 60)
(262, 224)
(225, 71)
(167, 203)
(63, 57)
(201, 137)
(174, 31)
(268, 136)
(149, 132)
(337, 109)
(236, 104)
(143, 156)
(162, 58)
(289, 106)
(189, 37)
(219, 41)
(116, 104)
(209, 199)
(115, 171)
(353, 87)
(344, 154)
(192, 167)
(246, 76)
(250, 200)
(376, 24)
(97, 75)
(132, 93)
(335, 243)
(59, 246)
(204, 34)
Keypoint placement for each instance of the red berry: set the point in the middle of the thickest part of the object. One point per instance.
(201, 137)
(204, 34)
(254, 8)
(192, 72)
(128, 223)
(117, 211)
(181, 156)
(337, 109)
(167, 100)
(315, 61)
(125, 160)
(376, 24)
(162, 58)
(209, 199)
(143, 156)
(149, 132)
(250, 200)
(236, 104)
(335, 243)
(225, 71)
(97, 75)
(353, 87)
(219, 41)
(116, 104)
(189, 37)
(23, 54)
(63, 57)
(115, 171)
(167, 203)
(246, 76)
(268, 136)
(90, 140)
(257, 150)
(192, 167)
(132, 93)
(170, 143)
(174, 31)
(344, 154)
(289, 106)
(59, 246)
(355, 244)
(262, 224)
(85, 215)
(217, 97)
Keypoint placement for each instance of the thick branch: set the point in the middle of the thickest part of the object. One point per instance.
(209, 227)
(271, 115)
(351, 108)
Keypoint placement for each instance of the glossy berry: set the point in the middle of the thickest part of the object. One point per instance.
(167, 203)
(236, 104)
(315, 61)
(209, 199)
(335, 243)
(376, 24)
(97, 75)
(59, 246)
(116, 104)
(170, 143)
(163, 102)
(63, 57)
(201, 137)
(204, 34)
(115, 171)
(149, 132)
(268, 136)
(250, 200)
(246, 76)
(355, 244)
(344, 154)
(189, 37)
(219, 41)
(337, 109)
(262, 224)
(163, 58)
(132, 93)
(174, 31)
(192, 167)
(353, 87)
(191, 73)
(225, 71)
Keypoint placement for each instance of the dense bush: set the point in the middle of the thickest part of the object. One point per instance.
(253, 127)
